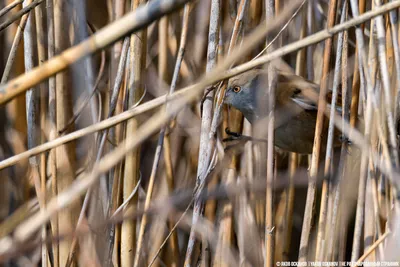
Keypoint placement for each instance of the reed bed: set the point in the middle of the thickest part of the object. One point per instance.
(113, 134)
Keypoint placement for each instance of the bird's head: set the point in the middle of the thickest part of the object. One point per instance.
(244, 92)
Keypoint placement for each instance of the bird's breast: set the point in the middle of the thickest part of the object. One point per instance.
(297, 134)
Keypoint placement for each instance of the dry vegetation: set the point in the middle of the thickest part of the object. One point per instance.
(112, 148)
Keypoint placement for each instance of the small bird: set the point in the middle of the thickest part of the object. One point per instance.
(295, 107)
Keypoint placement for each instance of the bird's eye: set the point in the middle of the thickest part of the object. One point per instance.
(236, 89)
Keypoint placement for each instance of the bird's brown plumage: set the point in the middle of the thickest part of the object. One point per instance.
(295, 107)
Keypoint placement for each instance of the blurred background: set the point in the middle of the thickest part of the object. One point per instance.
(113, 154)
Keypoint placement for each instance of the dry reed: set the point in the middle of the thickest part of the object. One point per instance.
(112, 128)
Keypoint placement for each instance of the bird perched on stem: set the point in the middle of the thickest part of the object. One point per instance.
(295, 107)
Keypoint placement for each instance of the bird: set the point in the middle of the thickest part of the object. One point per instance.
(295, 107)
